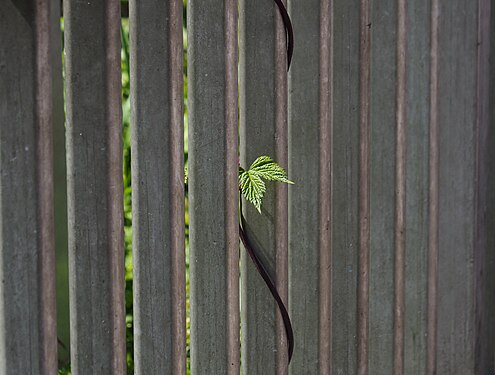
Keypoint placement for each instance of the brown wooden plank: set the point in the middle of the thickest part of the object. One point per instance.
(400, 189)
(158, 186)
(27, 258)
(485, 299)
(364, 189)
(417, 145)
(457, 185)
(345, 183)
(213, 186)
(95, 188)
(309, 207)
(431, 344)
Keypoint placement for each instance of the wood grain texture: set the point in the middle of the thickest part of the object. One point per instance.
(433, 175)
(400, 188)
(485, 345)
(363, 293)
(483, 294)
(309, 207)
(95, 188)
(457, 85)
(27, 258)
(416, 164)
(213, 187)
(383, 146)
(158, 187)
(345, 185)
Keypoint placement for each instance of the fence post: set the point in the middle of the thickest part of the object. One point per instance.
(28, 341)
(213, 187)
(311, 246)
(157, 138)
(263, 105)
(95, 188)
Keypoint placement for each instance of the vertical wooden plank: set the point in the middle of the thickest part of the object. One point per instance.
(94, 178)
(158, 186)
(400, 189)
(264, 132)
(309, 208)
(27, 256)
(484, 295)
(325, 189)
(457, 85)
(433, 175)
(213, 187)
(363, 295)
(485, 350)
(383, 82)
(417, 146)
(346, 181)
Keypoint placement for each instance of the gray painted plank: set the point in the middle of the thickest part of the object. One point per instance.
(213, 189)
(345, 184)
(158, 187)
(264, 132)
(364, 189)
(418, 78)
(433, 165)
(458, 30)
(27, 257)
(382, 185)
(484, 255)
(400, 189)
(305, 228)
(95, 188)
(486, 205)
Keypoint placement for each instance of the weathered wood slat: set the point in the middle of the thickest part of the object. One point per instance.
(400, 189)
(417, 182)
(383, 184)
(263, 118)
(346, 116)
(485, 256)
(456, 108)
(95, 205)
(158, 186)
(213, 187)
(433, 166)
(27, 259)
(309, 207)
(363, 294)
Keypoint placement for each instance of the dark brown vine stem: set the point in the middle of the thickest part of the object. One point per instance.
(260, 267)
(289, 33)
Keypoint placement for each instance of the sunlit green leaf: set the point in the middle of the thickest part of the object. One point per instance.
(251, 182)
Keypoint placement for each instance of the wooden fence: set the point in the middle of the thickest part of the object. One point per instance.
(384, 248)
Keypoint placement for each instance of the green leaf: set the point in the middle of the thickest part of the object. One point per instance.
(252, 187)
(266, 168)
(251, 182)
